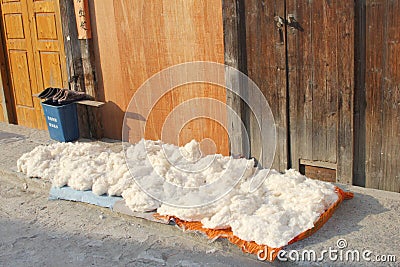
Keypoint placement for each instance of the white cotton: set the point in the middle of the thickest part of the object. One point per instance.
(284, 205)
(191, 151)
(137, 200)
(100, 186)
(121, 185)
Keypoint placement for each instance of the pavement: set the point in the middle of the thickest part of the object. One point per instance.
(37, 232)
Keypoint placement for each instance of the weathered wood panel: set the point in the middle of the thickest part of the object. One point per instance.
(73, 55)
(235, 56)
(266, 66)
(137, 39)
(382, 85)
(391, 100)
(71, 46)
(320, 63)
(81, 70)
(345, 82)
(319, 173)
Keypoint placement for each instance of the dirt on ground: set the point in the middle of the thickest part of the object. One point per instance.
(37, 232)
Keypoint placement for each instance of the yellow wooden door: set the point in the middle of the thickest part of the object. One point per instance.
(35, 54)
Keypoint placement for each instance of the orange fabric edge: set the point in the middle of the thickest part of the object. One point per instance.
(251, 246)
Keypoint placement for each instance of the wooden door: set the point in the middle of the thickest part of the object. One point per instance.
(304, 67)
(320, 43)
(35, 54)
(266, 66)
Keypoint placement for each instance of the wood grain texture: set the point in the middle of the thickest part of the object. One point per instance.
(320, 62)
(319, 173)
(300, 58)
(20, 60)
(266, 67)
(382, 95)
(111, 85)
(88, 65)
(346, 84)
(82, 18)
(72, 49)
(174, 32)
(359, 94)
(74, 64)
(235, 56)
(322, 164)
(81, 71)
(391, 101)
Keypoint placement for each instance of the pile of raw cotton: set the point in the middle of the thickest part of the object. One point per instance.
(284, 206)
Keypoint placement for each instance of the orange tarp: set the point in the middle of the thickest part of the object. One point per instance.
(250, 246)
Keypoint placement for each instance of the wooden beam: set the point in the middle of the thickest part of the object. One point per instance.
(89, 74)
(319, 173)
(317, 163)
(72, 46)
(91, 103)
(81, 71)
(235, 56)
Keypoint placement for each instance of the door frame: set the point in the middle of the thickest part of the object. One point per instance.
(9, 112)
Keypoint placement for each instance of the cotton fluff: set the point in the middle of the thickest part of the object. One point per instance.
(284, 206)
(84, 166)
(191, 151)
(76, 165)
(281, 208)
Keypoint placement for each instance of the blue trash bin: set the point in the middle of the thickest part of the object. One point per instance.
(62, 121)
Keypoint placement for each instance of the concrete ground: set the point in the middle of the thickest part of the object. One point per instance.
(38, 232)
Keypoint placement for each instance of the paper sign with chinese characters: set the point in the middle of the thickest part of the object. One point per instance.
(82, 19)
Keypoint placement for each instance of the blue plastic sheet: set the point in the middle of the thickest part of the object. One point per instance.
(67, 193)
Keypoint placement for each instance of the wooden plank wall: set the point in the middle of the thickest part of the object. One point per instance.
(137, 39)
(382, 95)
